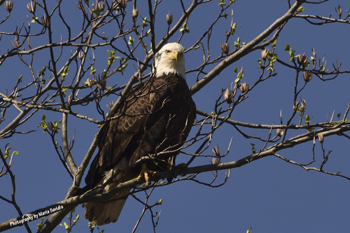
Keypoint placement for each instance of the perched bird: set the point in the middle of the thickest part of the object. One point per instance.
(153, 122)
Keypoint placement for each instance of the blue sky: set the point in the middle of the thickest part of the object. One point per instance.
(268, 195)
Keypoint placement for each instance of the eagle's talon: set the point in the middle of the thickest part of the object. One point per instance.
(145, 173)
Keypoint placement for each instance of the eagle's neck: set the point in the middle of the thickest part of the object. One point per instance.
(166, 68)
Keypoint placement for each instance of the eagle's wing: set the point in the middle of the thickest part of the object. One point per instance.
(140, 110)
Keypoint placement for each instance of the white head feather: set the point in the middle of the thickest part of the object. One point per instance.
(170, 59)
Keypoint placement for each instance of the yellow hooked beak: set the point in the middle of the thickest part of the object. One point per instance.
(174, 55)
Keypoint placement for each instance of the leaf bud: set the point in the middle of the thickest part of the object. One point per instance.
(160, 202)
(81, 55)
(9, 6)
(307, 76)
(296, 106)
(339, 11)
(279, 132)
(44, 21)
(244, 88)
(101, 6)
(80, 5)
(215, 161)
(320, 137)
(110, 106)
(15, 43)
(301, 59)
(169, 18)
(313, 51)
(264, 53)
(29, 45)
(88, 82)
(135, 13)
(228, 96)
(216, 151)
(31, 7)
(122, 3)
(101, 84)
(225, 48)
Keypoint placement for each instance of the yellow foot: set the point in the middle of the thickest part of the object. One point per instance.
(146, 173)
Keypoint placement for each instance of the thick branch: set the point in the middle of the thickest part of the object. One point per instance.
(71, 202)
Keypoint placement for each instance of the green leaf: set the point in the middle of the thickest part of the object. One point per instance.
(144, 22)
(64, 72)
(34, 19)
(131, 40)
(307, 119)
(286, 48)
(222, 3)
(97, 12)
(65, 225)
(92, 70)
(273, 44)
(76, 219)
(42, 123)
(240, 75)
(259, 61)
(64, 89)
(111, 52)
(260, 64)
(291, 54)
(300, 9)
(233, 28)
(306, 64)
(15, 152)
(41, 223)
(184, 28)
(7, 152)
(272, 60)
(66, 69)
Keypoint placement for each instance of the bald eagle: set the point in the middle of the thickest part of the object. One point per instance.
(153, 121)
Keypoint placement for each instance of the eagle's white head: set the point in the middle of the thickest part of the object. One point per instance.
(170, 59)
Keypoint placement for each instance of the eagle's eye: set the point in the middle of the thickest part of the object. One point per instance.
(167, 51)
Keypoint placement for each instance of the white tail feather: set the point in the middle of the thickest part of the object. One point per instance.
(105, 212)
